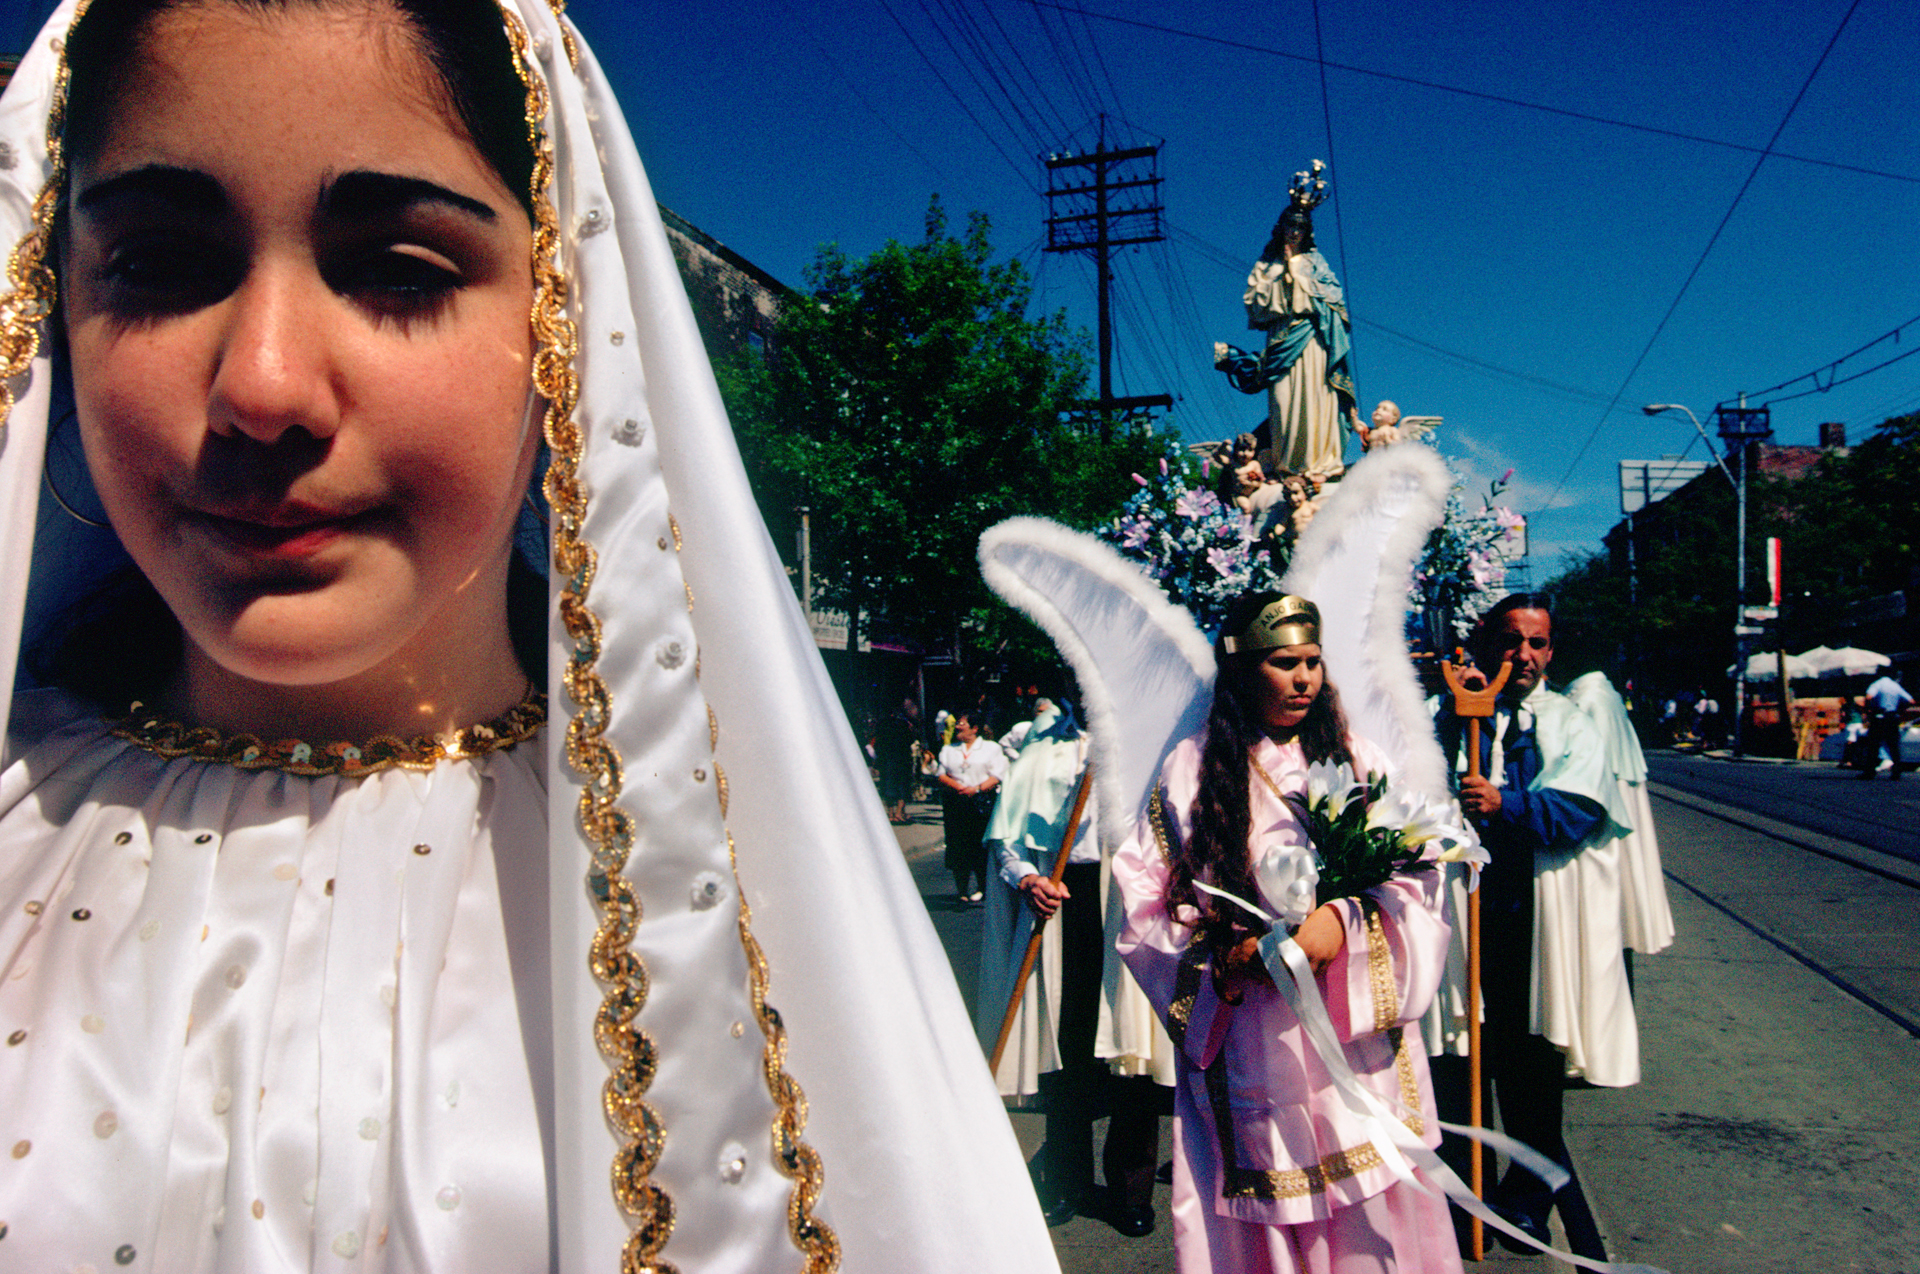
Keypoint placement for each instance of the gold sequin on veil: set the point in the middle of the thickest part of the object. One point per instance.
(609, 827)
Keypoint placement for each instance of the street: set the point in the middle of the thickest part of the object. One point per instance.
(1774, 1128)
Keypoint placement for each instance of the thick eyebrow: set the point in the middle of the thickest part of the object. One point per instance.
(186, 189)
(362, 194)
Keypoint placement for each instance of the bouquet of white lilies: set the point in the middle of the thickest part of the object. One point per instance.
(1365, 830)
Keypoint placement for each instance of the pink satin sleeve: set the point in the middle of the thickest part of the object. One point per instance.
(1178, 981)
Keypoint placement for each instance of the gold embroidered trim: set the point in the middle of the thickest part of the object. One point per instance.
(1386, 997)
(172, 740)
(32, 295)
(796, 1160)
(1186, 989)
(1295, 1183)
(1157, 819)
(1266, 778)
(559, 8)
(632, 1057)
(1415, 1121)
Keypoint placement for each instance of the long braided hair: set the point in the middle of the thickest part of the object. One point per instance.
(1217, 849)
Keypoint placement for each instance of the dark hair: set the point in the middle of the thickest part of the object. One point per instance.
(1276, 249)
(1482, 642)
(1216, 850)
(464, 41)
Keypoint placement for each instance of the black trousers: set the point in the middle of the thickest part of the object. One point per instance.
(1525, 1071)
(1083, 1088)
(1883, 732)
(965, 822)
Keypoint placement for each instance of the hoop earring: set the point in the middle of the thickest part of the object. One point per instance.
(46, 474)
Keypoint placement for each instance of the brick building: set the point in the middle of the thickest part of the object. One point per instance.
(735, 302)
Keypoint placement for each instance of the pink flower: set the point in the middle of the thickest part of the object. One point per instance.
(1226, 561)
(1137, 478)
(1506, 477)
(1163, 466)
(1195, 504)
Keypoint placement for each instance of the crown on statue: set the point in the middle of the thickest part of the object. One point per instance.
(1308, 189)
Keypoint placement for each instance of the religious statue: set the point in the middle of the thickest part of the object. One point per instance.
(1389, 427)
(1293, 296)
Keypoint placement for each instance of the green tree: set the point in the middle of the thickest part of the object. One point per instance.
(1848, 530)
(911, 402)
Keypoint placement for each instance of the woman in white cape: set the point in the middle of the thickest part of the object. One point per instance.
(273, 1001)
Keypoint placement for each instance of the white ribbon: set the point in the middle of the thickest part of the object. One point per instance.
(1293, 976)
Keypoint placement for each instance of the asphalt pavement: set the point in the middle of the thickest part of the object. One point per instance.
(1775, 1127)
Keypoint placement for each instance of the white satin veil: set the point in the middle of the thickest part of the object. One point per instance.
(717, 698)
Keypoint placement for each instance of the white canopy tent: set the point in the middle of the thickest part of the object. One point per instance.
(1848, 661)
(1765, 666)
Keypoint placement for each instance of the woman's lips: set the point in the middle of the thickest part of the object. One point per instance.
(282, 533)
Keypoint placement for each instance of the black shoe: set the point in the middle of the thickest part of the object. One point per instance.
(1135, 1220)
(1060, 1211)
(1533, 1227)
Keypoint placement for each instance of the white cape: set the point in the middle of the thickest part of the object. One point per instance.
(718, 697)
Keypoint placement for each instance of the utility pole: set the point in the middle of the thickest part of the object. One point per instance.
(1089, 221)
(1740, 428)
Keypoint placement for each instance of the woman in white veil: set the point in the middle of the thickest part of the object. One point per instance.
(283, 1004)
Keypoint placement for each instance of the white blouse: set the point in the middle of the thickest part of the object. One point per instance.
(260, 1022)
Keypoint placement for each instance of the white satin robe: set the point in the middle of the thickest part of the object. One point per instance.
(260, 1022)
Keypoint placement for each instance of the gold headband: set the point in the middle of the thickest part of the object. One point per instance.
(1291, 621)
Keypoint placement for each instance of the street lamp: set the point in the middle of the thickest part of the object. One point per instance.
(1740, 556)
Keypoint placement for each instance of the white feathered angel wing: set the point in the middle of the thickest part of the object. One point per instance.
(1145, 669)
(1354, 561)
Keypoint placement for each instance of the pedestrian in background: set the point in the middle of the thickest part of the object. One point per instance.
(1887, 701)
(972, 768)
(1086, 1038)
(893, 757)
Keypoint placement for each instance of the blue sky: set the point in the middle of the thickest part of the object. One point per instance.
(1511, 269)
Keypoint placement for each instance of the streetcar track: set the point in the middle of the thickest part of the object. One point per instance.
(1838, 981)
(1701, 804)
(1711, 786)
(1867, 998)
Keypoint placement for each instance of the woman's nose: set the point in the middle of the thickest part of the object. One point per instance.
(273, 371)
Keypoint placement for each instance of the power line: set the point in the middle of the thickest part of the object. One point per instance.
(1221, 256)
(1339, 232)
(854, 88)
(1831, 368)
(1019, 119)
(1821, 389)
(1026, 175)
(1565, 112)
(1113, 91)
(1058, 121)
(1704, 253)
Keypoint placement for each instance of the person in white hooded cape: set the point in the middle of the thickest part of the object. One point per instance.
(1024, 837)
(261, 1004)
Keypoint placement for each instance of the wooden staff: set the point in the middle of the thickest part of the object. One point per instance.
(1040, 922)
(1474, 706)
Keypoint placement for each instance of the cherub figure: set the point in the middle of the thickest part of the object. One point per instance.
(1390, 427)
(1245, 474)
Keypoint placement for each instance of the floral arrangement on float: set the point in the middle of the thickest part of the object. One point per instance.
(1200, 549)
(1203, 551)
(1463, 570)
